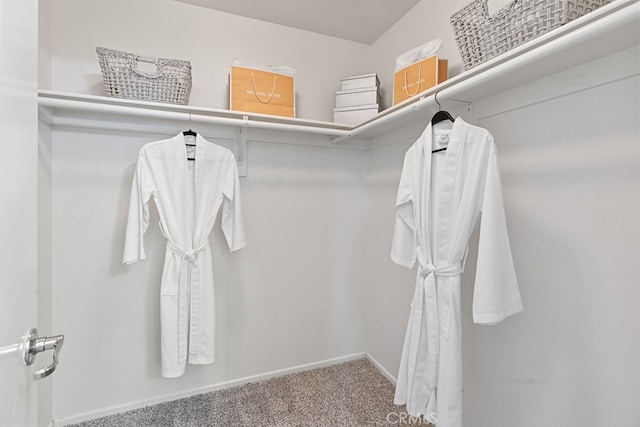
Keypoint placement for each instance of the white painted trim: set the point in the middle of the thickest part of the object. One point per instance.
(381, 368)
(101, 106)
(86, 416)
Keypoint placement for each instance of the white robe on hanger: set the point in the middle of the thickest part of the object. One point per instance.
(188, 196)
(440, 197)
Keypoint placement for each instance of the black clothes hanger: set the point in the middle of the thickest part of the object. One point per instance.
(438, 117)
(441, 115)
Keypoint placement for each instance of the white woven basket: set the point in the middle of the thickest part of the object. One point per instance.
(171, 83)
(481, 37)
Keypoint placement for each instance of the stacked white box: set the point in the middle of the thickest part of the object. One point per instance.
(358, 100)
(358, 82)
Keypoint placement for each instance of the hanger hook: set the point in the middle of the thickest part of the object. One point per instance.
(189, 121)
(435, 97)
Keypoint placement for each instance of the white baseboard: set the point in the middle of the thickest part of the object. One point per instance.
(226, 384)
(381, 368)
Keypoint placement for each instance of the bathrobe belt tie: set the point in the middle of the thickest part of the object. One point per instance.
(434, 302)
(184, 274)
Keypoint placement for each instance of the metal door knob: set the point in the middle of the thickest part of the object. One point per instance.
(31, 345)
(43, 344)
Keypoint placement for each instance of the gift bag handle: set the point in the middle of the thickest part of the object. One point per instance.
(133, 63)
(255, 91)
(406, 86)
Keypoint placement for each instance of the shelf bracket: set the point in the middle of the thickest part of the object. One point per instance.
(468, 103)
(241, 147)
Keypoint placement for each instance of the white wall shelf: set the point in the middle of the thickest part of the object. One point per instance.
(605, 31)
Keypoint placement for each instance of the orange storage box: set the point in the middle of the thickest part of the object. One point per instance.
(419, 77)
(254, 90)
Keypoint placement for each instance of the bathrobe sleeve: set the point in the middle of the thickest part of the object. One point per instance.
(496, 295)
(403, 246)
(232, 225)
(138, 219)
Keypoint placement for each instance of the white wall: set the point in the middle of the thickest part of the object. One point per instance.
(570, 168)
(45, 47)
(285, 300)
(211, 40)
(390, 286)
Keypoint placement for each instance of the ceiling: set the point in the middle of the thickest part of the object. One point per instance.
(356, 20)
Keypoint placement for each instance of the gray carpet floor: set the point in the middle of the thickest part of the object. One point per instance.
(349, 394)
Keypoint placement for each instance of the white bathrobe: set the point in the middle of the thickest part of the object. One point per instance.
(440, 197)
(188, 196)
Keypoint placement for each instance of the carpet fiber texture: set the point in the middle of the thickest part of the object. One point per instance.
(349, 394)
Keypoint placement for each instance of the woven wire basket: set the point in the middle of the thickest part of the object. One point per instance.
(171, 83)
(481, 37)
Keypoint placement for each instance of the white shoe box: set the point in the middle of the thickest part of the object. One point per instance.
(356, 97)
(355, 115)
(360, 81)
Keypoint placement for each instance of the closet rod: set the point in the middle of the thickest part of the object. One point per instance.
(246, 122)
